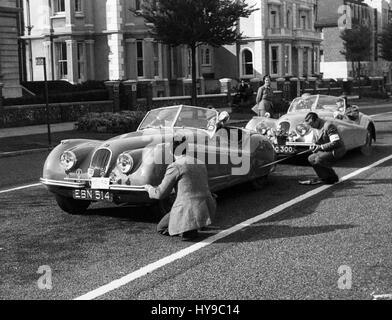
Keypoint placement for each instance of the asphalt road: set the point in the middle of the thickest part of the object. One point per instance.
(333, 245)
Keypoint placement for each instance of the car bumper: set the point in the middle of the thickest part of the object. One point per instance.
(120, 193)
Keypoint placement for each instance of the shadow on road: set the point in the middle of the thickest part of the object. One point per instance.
(126, 213)
(266, 232)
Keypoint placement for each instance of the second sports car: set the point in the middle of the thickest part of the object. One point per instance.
(290, 135)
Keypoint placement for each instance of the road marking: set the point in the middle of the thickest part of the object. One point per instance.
(225, 233)
(21, 188)
(380, 114)
(382, 296)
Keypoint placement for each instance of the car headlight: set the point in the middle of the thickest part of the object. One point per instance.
(68, 160)
(302, 129)
(125, 163)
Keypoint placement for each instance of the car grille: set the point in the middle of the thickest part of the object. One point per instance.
(285, 126)
(100, 161)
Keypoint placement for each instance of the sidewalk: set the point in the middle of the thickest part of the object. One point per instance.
(37, 129)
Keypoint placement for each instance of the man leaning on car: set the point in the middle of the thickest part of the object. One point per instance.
(328, 148)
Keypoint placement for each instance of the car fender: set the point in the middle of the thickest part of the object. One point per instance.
(52, 169)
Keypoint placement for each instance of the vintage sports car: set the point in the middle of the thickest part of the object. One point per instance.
(79, 172)
(290, 135)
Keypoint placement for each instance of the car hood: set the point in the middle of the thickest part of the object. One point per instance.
(137, 140)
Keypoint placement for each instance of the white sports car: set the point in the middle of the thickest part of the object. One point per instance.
(290, 135)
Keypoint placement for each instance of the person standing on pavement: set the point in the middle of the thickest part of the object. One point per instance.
(264, 98)
(194, 206)
(328, 148)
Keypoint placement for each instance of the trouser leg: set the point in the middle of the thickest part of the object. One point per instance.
(322, 163)
(163, 225)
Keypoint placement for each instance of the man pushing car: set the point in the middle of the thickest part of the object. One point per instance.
(328, 148)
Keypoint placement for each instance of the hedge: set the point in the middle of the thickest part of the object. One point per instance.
(123, 122)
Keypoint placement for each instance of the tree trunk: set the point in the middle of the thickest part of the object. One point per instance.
(359, 79)
(194, 88)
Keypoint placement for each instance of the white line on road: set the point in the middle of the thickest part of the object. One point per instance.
(21, 188)
(380, 114)
(382, 296)
(197, 246)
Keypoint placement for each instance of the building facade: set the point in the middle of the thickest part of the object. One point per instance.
(375, 14)
(9, 49)
(280, 40)
(103, 40)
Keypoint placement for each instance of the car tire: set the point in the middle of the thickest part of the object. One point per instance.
(259, 183)
(366, 149)
(162, 207)
(72, 206)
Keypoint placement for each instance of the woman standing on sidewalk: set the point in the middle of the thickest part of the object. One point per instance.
(264, 98)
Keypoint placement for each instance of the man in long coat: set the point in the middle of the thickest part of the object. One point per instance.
(194, 206)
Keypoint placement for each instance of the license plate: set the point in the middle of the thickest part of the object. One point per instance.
(94, 195)
(285, 149)
(100, 183)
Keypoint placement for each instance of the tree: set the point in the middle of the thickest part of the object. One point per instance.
(195, 23)
(357, 44)
(385, 41)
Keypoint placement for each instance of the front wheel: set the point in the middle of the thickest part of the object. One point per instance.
(163, 207)
(72, 206)
(366, 149)
(259, 183)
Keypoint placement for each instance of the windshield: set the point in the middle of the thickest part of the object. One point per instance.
(195, 117)
(330, 103)
(160, 118)
(189, 116)
(317, 103)
(302, 104)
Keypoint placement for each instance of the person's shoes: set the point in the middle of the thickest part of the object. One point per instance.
(164, 232)
(331, 181)
(311, 181)
(190, 235)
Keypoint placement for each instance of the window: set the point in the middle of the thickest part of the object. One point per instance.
(206, 56)
(247, 63)
(288, 19)
(305, 61)
(315, 61)
(62, 65)
(156, 59)
(287, 59)
(140, 58)
(303, 21)
(274, 60)
(273, 21)
(189, 64)
(174, 62)
(78, 6)
(81, 60)
(59, 6)
(138, 4)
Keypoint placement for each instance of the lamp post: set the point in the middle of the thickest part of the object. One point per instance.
(41, 61)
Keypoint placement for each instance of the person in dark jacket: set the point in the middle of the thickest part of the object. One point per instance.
(194, 206)
(328, 148)
(264, 98)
